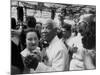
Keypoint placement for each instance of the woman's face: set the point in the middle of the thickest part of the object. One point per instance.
(31, 40)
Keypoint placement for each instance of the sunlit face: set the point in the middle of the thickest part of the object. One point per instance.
(31, 40)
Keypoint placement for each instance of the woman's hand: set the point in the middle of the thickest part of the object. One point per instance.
(31, 61)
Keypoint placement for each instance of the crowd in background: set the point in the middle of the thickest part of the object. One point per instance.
(45, 47)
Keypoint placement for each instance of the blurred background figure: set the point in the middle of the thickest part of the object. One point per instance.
(31, 21)
(17, 65)
(89, 43)
(66, 31)
(38, 26)
(53, 13)
(84, 31)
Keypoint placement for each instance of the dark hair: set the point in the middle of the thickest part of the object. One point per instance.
(89, 42)
(89, 38)
(32, 30)
(31, 21)
(67, 26)
(13, 23)
(24, 33)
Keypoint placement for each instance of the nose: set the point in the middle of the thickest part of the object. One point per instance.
(33, 41)
(43, 30)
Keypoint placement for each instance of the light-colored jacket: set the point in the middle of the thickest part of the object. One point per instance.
(77, 62)
(58, 58)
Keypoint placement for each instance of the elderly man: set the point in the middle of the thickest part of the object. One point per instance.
(56, 51)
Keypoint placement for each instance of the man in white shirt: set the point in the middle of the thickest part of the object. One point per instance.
(56, 52)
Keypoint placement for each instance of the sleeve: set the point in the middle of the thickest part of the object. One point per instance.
(58, 63)
(88, 61)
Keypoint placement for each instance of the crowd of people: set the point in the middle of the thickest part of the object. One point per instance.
(45, 47)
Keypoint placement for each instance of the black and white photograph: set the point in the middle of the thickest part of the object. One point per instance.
(52, 37)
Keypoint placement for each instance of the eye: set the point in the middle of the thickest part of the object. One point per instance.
(35, 38)
(43, 27)
(30, 39)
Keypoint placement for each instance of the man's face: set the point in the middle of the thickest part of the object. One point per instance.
(66, 33)
(46, 29)
(38, 27)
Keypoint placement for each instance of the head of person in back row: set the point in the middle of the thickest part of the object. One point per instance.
(66, 31)
(38, 26)
(85, 21)
(31, 22)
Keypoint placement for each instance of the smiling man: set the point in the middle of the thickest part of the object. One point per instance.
(56, 51)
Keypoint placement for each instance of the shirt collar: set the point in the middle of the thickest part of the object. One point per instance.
(54, 40)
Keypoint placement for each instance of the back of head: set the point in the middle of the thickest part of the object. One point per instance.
(31, 21)
(67, 26)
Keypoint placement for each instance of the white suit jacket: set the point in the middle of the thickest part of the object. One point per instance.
(58, 57)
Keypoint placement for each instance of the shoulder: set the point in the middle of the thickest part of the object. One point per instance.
(59, 46)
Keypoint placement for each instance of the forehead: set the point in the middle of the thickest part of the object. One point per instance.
(48, 25)
(31, 34)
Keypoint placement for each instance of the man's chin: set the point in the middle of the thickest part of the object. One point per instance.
(44, 36)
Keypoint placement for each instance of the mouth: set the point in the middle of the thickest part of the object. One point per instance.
(44, 34)
(34, 44)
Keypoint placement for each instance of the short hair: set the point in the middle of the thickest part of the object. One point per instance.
(32, 30)
(24, 33)
(31, 21)
(51, 23)
(67, 26)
